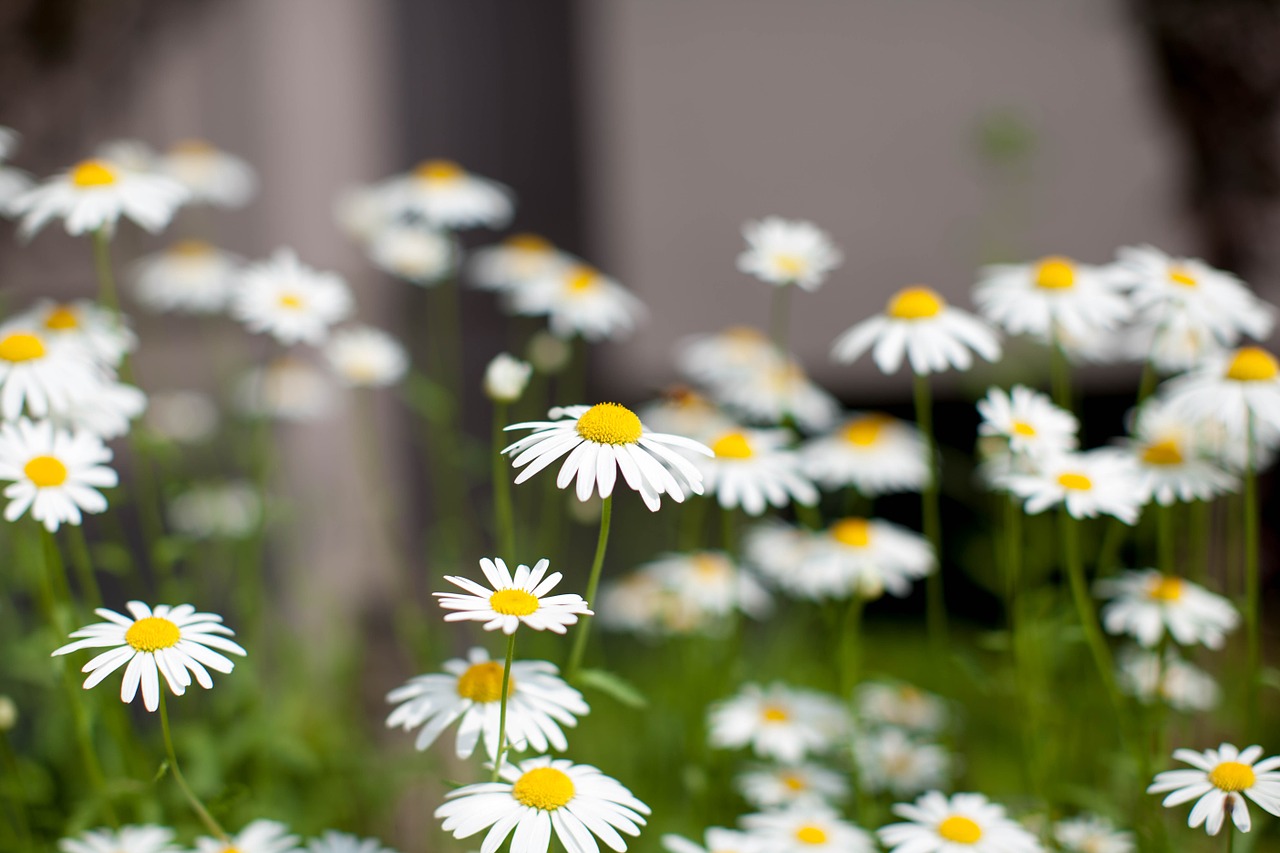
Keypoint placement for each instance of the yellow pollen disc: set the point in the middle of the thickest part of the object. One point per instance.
(709, 566)
(854, 532)
(733, 445)
(792, 782)
(790, 265)
(743, 334)
(439, 170)
(959, 829)
(191, 248)
(193, 146)
(1165, 588)
(544, 788)
(21, 346)
(916, 303)
(1055, 273)
(61, 318)
(1253, 364)
(1182, 276)
(528, 243)
(152, 634)
(291, 301)
(1164, 452)
(774, 714)
(513, 602)
(482, 682)
(609, 423)
(231, 850)
(1075, 482)
(93, 173)
(1232, 776)
(45, 472)
(865, 431)
(582, 279)
(1024, 429)
(810, 834)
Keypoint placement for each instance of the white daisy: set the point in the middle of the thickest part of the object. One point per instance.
(361, 212)
(102, 333)
(447, 196)
(289, 300)
(782, 252)
(13, 182)
(1233, 390)
(342, 842)
(288, 388)
(542, 795)
(1172, 344)
(54, 473)
(600, 441)
(920, 325)
(365, 357)
(683, 411)
(189, 277)
(181, 416)
(261, 836)
(210, 175)
(513, 600)
(867, 557)
(901, 705)
(539, 703)
(230, 510)
(548, 354)
(1052, 298)
(710, 584)
(126, 839)
(780, 551)
(777, 392)
(753, 469)
(1092, 834)
(775, 787)
(40, 374)
(962, 822)
(717, 840)
(1221, 780)
(1099, 482)
(1029, 420)
(1172, 464)
(107, 410)
(131, 155)
(727, 356)
(579, 300)
(515, 261)
(890, 761)
(639, 603)
(506, 377)
(1145, 603)
(778, 722)
(807, 827)
(873, 452)
(93, 194)
(176, 642)
(1179, 684)
(414, 252)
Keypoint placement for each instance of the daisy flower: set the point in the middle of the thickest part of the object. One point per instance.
(1171, 465)
(515, 261)
(1029, 420)
(780, 551)
(181, 416)
(447, 196)
(39, 375)
(939, 824)
(874, 453)
(126, 839)
(210, 176)
(1144, 604)
(167, 641)
(778, 391)
(1234, 390)
(189, 277)
(54, 473)
(807, 827)
(365, 357)
(889, 761)
(1092, 834)
(289, 300)
(901, 705)
(579, 300)
(93, 194)
(107, 410)
(548, 354)
(683, 411)
(717, 840)
(13, 182)
(411, 251)
(361, 212)
(288, 388)
(506, 377)
(542, 795)
(539, 702)
(131, 155)
(100, 332)
(1099, 482)
(261, 836)
(919, 325)
(1221, 780)
(710, 583)
(726, 356)
(229, 510)
(1175, 682)
(869, 557)
(778, 722)
(513, 600)
(639, 603)
(782, 252)
(754, 470)
(1052, 298)
(776, 787)
(600, 441)
(342, 842)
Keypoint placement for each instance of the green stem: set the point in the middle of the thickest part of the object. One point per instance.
(1165, 534)
(851, 645)
(1074, 567)
(106, 278)
(20, 799)
(1060, 375)
(503, 510)
(1109, 551)
(693, 517)
(502, 712)
(1231, 835)
(780, 317)
(83, 564)
(931, 514)
(1251, 579)
(728, 532)
(584, 624)
(1150, 379)
(1201, 541)
(197, 806)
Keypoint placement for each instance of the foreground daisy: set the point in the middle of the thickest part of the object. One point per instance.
(874, 453)
(807, 828)
(54, 473)
(961, 822)
(1050, 299)
(176, 642)
(774, 787)
(579, 300)
(1145, 604)
(1220, 778)
(1099, 482)
(782, 252)
(1092, 834)
(126, 839)
(365, 357)
(100, 332)
(261, 836)
(513, 600)
(753, 469)
(539, 702)
(37, 375)
(542, 795)
(448, 196)
(189, 277)
(1029, 421)
(210, 175)
(717, 841)
(94, 194)
(778, 722)
(600, 441)
(342, 842)
(888, 760)
(289, 300)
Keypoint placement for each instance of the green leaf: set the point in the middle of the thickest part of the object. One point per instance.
(612, 685)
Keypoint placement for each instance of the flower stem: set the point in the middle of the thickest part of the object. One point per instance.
(1251, 579)
(728, 532)
(931, 514)
(1074, 565)
(106, 278)
(851, 644)
(1147, 385)
(502, 507)
(1059, 375)
(780, 317)
(201, 812)
(502, 711)
(584, 624)
(1165, 538)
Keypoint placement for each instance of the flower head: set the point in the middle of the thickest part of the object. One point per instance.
(1238, 389)
(1219, 782)
(210, 175)
(1051, 299)
(754, 469)
(126, 839)
(55, 474)
(783, 252)
(506, 378)
(961, 822)
(807, 827)
(1029, 420)
(1092, 834)
(342, 842)
(261, 836)
(1146, 603)
(1099, 482)
(769, 787)
(579, 300)
(94, 194)
(778, 722)
(512, 601)
(41, 374)
(365, 357)
(447, 196)
(289, 300)
(873, 452)
(516, 261)
(413, 252)
(189, 277)
(889, 760)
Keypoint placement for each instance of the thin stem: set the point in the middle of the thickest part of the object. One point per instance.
(1231, 835)
(931, 513)
(728, 532)
(201, 812)
(851, 644)
(502, 711)
(1059, 375)
(1200, 545)
(503, 510)
(106, 278)
(780, 316)
(21, 798)
(1165, 538)
(584, 624)
(692, 520)
(1074, 566)
(1149, 381)
(1251, 579)
(83, 563)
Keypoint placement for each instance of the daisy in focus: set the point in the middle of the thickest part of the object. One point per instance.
(1173, 464)
(579, 300)
(469, 692)
(365, 357)
(94, 194)
(939, 824)
(261, 836)
(1098, 482)
(1219, 783)
(778, 722)
(1029, 421)
(600, 441)
(778, 787)
(1236, 390)
(53, 473)
(874, 453)
(38, 375)
(415, 253)
(890, 761)
(189, 277)
(289, 300)
(342, 842)
(540, 796)
(901, 705)
(717, 840)
(176, 642)
(210, 176)
(1092, 834)
(753, 469)
(807, 827)
(921, 327)
(1145, 604)
(1050, 299)
(447, 196)
(513, 601)
(129, 839)
(782, 252)
(1151, 678)
(516, 261)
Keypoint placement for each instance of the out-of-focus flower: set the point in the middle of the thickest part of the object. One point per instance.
(726, 356)
(1050, 299)
(94, 194)
(229, 510)
(579, 300)
(1236, 390)
(940, 824)
(183, 417)
(261, 836)
(516, 261)
(783, 785)
(549, 354)
(413, 252)
(890, 761)
(39, 374)
(1221, 780)
(778, 722)
(717, 841)
(189, 277)
(782, 252)
(342, 842)
(447, 196)
(365, 357)
(1029, 420)
(210, 175)
(900, 705)
(1091, 834)
(102, 333)
(1099, 482)
(872, 452)
(1170, 454)
(1154, 678)
(1145, 604)
(506, 377)
(753, 469)
(778, 391)
(807, 827)
(126, 839)
(106, 409)
(289, 300)
(289, 388)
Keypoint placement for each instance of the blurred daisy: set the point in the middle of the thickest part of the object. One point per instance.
(342, 842)
(726, 356)
(540, 795)
(1152, 678)
(515, 261)
(717, 840)
(919, 325)
(38, 375)
(230, 510)
(869, 557)
(639, 603)
(413, 252)
(506, 377)
(778, 391)
(1221, 780)
(361, 212)
(753, 469)
(539, 702)
(106, 409)
(778, 722)
(548, 354)
(126, 839)
(600, 441)
(778, 551)
(513, 600)
(782, 252)
(365, 357)
(98, 331)
(775, 787)
(1171, 466)
(807, 827)
(579, 300)
(261, 836)
(447, 196)
(1051, 298)
(1144, 604)
(1235, 389)
(940, 824)
(710, 583)
(210, 175)
(289, 300)
(13, 182)
(288, 388)
(683, 411)
(54, 473)
(181, 416)
(1029, 420)
(93, 194)
(889, 761)
(901, 705)
(131, 155)
(1099, 482)
(189, 277)
(176, 642)
(874, 453)
(1092, 834)
(1172, 344)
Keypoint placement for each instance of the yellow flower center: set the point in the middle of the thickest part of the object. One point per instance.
(292, 301)
(1024, 429)
(743, 335)
(916, 303)
(528, 243)
(191, 248)
(513, 602)
(482, 682)
(792, 782)
(1165, 588)
(792, 266)
(810, 834)
(21, 346)
(230, 850)
(582, 279)
(1164, 452)
(1232, 776)
(1075, 482)
(865, 431)
(854, 532)
(960, 829)
(439, 170)
(774, 714)
(733, 445)
(45, 471)
(93, 173)
(61, 318)
(1182, 276)
(609, 423)
(710, 566)
(152, 634)
(543, 788)
(193, 146)
(1055, 273)
(1253, 364)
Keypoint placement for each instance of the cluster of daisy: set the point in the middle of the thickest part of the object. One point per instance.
(260, 836)
(896, 749)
